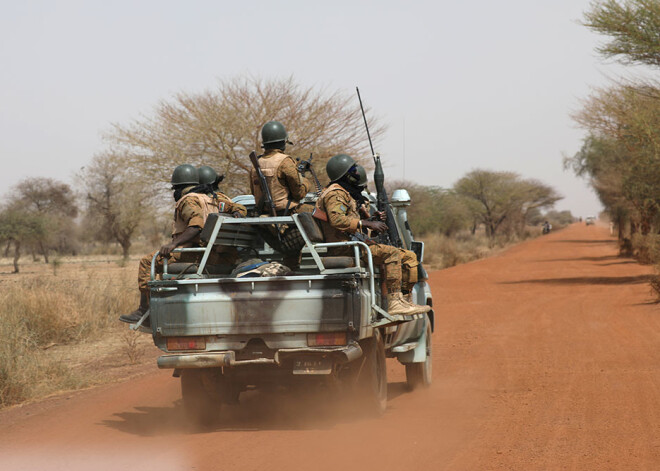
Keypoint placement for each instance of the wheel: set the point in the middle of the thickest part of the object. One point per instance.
(419, 375)
(200, 401)
(372, 379)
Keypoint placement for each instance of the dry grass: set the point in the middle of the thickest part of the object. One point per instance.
(444, 252)
(47, 307)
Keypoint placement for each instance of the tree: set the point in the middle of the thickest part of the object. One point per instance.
(634, 26)
(220, 127)
(20, 227)
(497, 197)
(118, 199)
(623, 149)
(52, 201)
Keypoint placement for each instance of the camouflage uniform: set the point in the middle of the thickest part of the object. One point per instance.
(343, 219)
(409, 262)
(192, 210)
(287, 186)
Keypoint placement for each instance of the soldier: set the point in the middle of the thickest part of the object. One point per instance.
(208, 176)
(409, 262)
(287, 185)
(337, 210)
(193, 206)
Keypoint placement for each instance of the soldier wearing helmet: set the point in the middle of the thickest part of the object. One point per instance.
(193, 205)
(209, 177)
(286, 184)
(337, 212)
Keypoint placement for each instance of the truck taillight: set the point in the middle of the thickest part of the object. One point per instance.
(186, 343)
(326, 339)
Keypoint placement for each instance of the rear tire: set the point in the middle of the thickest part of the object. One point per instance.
(200, 400)
(372, 382)
(420, 375)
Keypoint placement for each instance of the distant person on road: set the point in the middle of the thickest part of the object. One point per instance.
(337, 213)
(193, 206)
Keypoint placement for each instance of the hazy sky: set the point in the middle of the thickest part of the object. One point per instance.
(462, 85)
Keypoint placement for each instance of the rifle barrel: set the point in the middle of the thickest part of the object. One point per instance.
(364, 116)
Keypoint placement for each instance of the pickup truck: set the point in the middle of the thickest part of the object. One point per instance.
(327, 322)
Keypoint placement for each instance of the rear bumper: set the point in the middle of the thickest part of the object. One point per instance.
(342, 354)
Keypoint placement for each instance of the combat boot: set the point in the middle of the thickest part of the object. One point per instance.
(408, 299)
(397, 305)
(135, 316)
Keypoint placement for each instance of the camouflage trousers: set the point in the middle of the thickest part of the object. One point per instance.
(144, 269)
(400, 265)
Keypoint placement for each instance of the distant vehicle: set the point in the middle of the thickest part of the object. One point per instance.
(589, 220)
(546, 227)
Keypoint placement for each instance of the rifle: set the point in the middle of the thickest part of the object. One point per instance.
(264, 186)
(307, 165)
(383, 204)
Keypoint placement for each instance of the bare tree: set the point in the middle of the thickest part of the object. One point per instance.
(220, 127)
(118, 199)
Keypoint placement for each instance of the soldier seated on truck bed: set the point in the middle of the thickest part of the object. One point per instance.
(337, 212)
(194, 202)
(409, 262)
(286, 183)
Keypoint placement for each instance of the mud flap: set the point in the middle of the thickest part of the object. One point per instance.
(417, 354)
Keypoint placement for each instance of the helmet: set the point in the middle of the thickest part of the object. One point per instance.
(272, 132)
(185, 174)
(362, 173)
(207, 176)
(338, 166)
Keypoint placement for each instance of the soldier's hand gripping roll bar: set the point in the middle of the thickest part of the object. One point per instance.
(383, 204)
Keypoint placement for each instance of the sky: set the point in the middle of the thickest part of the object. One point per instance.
(460, 85)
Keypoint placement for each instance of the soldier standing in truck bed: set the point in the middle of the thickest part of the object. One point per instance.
(194, 203)
(287, 185)
(337, 212)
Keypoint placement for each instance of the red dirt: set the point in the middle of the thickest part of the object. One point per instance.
(545, 357)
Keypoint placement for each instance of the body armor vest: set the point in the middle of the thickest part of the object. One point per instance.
(278, 192)
(207, 203)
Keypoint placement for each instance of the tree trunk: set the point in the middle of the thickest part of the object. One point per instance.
(125, 247)
(620, 223)
(44, 251)
(7, 248)
(17, 254)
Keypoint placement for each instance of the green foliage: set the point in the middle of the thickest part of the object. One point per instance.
(634, 26)
(503, 199)
(559, 218)
(621, 154)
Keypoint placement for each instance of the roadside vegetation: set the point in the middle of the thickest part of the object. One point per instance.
(620, 155)
(42, 314)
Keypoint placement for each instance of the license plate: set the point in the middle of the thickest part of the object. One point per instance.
(312, 366)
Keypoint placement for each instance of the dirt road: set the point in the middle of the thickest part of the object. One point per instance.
(545, 357)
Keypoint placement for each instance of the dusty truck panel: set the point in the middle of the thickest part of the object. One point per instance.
(255, 305)
(327, 321)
